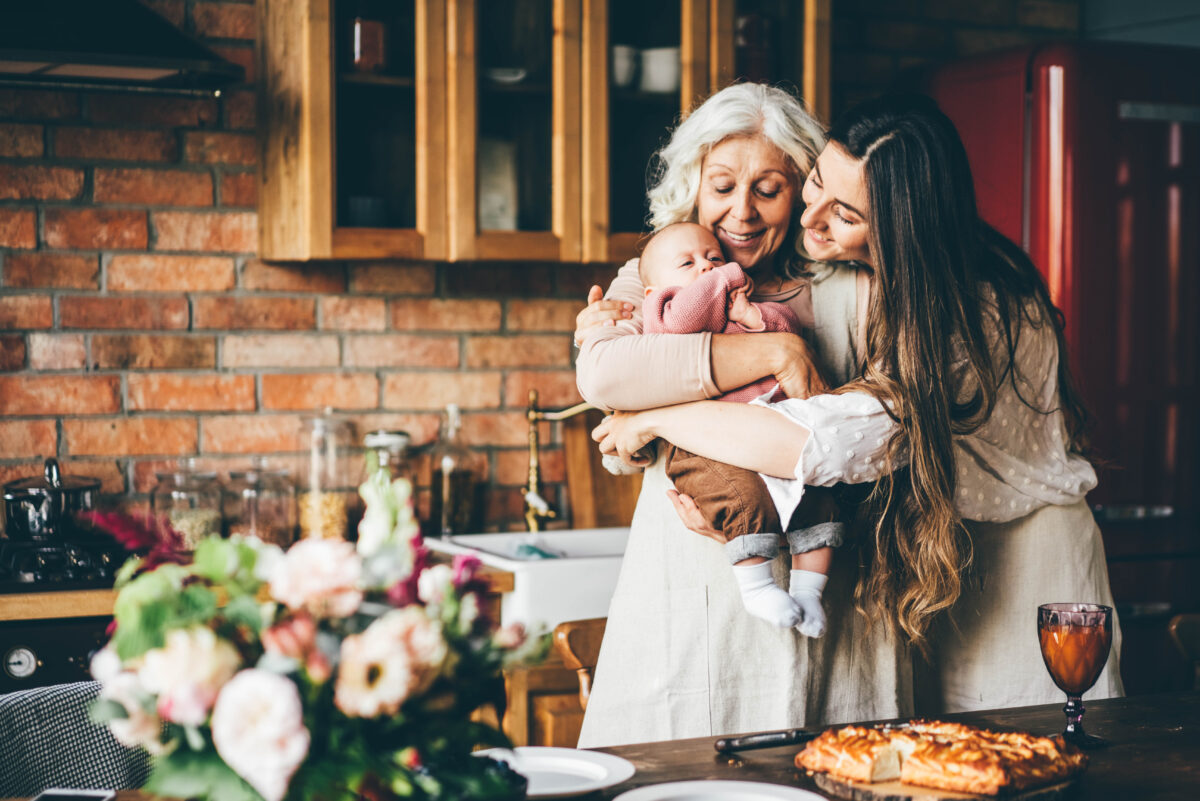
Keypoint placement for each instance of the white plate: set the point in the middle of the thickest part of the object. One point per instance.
(563, 772)
(717, 790)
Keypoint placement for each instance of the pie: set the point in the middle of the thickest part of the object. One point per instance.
(945, 756)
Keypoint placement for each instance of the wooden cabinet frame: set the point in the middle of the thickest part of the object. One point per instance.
(297, 179)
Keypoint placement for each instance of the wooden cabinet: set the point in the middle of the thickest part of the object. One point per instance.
(507, 129)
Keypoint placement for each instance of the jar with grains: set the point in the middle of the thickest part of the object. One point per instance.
(188, 500)
(261, 502)
(326, 501)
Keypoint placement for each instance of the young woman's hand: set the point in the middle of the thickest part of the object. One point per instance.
(690, 514)
(625, 434)
(795, 369)
(600, 312)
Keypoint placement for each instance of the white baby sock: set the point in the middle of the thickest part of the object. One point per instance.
(805, 589)
(763, 597)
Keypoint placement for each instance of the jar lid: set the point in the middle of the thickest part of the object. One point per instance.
(51, 481)
(387, 439)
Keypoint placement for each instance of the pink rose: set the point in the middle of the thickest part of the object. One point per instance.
(258, 729)
(296, 638)
(320, 577)
(187, 673)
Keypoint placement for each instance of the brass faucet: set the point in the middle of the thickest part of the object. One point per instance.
(537, 511)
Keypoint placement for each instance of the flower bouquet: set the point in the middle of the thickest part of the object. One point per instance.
(332, 671)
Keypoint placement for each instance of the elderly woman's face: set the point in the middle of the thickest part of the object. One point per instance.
(747, 195)
(835, 204)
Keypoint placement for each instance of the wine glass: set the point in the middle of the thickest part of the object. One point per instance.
(1075, 640)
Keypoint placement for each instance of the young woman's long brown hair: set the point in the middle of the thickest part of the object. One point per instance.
(939, 273)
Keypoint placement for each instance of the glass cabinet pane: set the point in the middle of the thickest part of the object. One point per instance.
(515, 115)
(768, 41)
(644, 79)
(375, 99)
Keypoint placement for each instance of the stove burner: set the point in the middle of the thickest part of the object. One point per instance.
(83, 564)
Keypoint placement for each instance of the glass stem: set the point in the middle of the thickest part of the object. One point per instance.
(1074, 712)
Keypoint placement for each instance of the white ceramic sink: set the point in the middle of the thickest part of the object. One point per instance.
(546, 592)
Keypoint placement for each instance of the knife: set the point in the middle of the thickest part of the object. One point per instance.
(727, 745)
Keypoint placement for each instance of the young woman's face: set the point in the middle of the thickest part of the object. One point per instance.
(747, 195)
(835, 204)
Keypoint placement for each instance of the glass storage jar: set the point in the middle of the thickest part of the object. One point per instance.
(261, 502)
(456, 480)
(326, 500)
(391, 452)
(188, 500)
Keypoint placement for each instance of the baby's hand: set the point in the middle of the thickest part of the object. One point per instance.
(742, 311)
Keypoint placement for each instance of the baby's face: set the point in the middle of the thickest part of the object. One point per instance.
(680, 255)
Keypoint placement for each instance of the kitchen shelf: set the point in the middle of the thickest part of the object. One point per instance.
(383, 81)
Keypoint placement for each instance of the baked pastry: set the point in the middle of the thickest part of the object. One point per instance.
(945, 756)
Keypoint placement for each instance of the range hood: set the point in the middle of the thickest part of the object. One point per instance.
(104, 44)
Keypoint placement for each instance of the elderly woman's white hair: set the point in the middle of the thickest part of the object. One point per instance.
(744, 109)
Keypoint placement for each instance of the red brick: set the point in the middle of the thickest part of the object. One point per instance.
(39, 183)
(393, 279)
(57, 352)
(26, 311)
(146, 471)
(353, 314)
(542, 315)
(25, 438)
(20, 141)
(149, 273)
(279, 350)
(153, 187)
(446, 315)
(520, 351)
(77, 311)
(65, 394)
(574, 280)
(51, 270)
(298, 392)
(170, 392)
(145, 352)
(500, 279)
(250, 433)
(400, 350)
(96, 229)
(225, 20)
(219, 147)
(152, 111)
(243, 57)
(115, 144)
(241, 111)
(279, 313)
(225, 231)
(239, 189)
(555, 389)
(112, 478)
(12, 352)
(499, 428)
(171, 10)
(433, 390)
(423, 428)
(327, 278)
(512, 467)
(32, 103)
(18, 228)
(130, 436)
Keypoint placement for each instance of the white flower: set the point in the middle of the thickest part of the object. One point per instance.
(106, 665)
(435, 583)
(320, 576)
(468, 612)
(398, 655)
(258, 729)
(389, 517)
(140, 727)
(187, 673)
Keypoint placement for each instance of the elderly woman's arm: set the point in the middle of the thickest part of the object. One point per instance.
(620, 368)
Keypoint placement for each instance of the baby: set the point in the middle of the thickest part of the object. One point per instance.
(690, 288)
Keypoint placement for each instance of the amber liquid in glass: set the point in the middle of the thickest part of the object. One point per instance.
(452, 503)
(1075, 655)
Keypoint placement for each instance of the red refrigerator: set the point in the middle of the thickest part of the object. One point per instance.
(1088, 154)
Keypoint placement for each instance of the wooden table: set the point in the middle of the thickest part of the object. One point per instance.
(1154, 752)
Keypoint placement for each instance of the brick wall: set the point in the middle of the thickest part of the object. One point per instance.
(137, 326)
(875, 40)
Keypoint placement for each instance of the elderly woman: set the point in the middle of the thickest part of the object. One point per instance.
(966, 415)
(680, 656)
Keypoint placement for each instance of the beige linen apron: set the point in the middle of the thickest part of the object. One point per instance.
(986, 651)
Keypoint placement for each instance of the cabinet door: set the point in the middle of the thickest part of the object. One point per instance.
(644, 64)
(513, 100)
(352, 162)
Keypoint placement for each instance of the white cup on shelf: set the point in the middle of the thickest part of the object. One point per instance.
(660, 69)
(624, 64)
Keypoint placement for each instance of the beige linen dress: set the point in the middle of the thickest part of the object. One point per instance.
(681, 657)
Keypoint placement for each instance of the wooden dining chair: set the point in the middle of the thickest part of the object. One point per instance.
(578, 642)
(1185, 631)
(598, 498)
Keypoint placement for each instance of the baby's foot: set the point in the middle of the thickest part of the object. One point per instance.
(765, 599)
(805, 589)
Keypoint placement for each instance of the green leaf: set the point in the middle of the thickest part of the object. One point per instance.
(102, 710)
(244, 610)
(198, 774)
